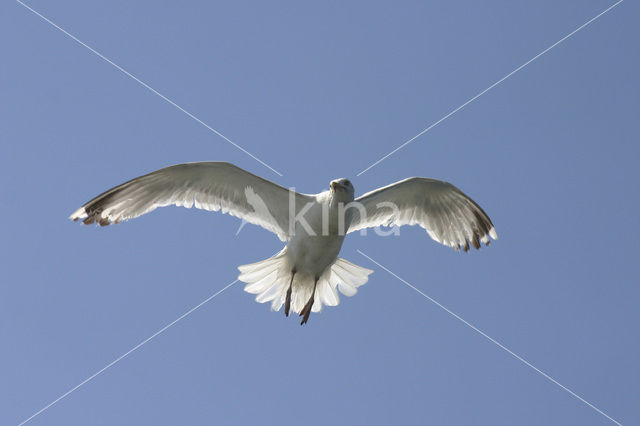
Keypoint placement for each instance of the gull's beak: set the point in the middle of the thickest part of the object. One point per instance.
(334, 185)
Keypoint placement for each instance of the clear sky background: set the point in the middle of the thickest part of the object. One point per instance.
(320, 91)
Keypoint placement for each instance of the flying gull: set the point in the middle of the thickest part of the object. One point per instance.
(307, 273)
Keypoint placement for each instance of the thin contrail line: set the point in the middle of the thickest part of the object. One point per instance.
(491, 339)
(145, 85)
(115, 361)
(491, 87)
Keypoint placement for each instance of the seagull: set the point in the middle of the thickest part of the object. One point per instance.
(307, 273)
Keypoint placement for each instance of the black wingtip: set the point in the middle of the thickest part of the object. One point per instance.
(476, 241)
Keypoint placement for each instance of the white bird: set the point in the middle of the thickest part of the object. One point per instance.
(307, 273)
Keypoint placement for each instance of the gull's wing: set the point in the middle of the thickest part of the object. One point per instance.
(206, 185)
(448, 215)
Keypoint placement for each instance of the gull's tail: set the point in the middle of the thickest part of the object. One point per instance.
(269, 280)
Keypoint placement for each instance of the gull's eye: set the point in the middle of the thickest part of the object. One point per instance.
(346, 182)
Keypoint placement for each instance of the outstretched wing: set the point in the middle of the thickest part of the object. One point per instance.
(205, 185)
(447, 214)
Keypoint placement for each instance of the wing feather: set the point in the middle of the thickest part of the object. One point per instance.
(446, 213)
(214, 186)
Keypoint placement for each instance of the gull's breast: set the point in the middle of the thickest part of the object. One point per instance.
(313, 253)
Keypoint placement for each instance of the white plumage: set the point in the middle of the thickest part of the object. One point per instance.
(307, 273)
(269, 280)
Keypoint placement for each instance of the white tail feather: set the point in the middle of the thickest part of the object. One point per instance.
(269, 280)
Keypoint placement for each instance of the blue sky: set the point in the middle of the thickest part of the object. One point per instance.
(320, 91)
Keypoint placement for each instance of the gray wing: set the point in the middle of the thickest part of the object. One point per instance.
(206, 185)
(447, 214)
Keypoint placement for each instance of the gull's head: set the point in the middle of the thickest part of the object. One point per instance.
(343, 189)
